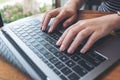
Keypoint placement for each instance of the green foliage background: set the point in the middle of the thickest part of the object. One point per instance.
(12, 13)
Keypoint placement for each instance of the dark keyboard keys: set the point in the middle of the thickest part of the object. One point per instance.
(48, 46)
(64, 58)
(56, 71)
(58, 54)
(66, 71)
(86, 65)
(75, 58)
(63, 77)
(79, 70)
(43, 51)
(53, 60)
(43, 42)
(73, 76)
(48, 56)
(59, 65)
(70, 63)
(50, 66)
(54, 36)
(53, 50)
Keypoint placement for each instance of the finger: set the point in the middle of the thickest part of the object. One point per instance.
(68, 39)
(69, 21)
(44, 17)
(59, 42)
(59, 18)
(79, 38)
(48, 16)
(93, 38)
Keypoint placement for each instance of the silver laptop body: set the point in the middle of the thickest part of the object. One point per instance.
(108, 48)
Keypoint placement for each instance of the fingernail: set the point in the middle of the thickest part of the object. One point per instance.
(62, 48)
(43, 28)
(82, 51)
(70, 51)
(58, 43)
(50, 31)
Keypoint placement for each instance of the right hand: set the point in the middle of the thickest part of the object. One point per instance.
(67, 12)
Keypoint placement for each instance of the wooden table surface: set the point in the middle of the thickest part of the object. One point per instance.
(9, 72)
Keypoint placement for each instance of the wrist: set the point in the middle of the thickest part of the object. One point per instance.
(116, 20)
(75, 4)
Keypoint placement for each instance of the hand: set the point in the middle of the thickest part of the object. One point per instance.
(68, 12)
(93, 28)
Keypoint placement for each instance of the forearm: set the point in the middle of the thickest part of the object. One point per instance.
(76, 4)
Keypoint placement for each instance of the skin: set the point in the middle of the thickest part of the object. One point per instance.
(95, 28)
(68, 11)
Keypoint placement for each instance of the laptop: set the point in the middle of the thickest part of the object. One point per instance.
(35, 52)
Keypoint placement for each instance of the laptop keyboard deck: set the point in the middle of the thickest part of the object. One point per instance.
(67, 66)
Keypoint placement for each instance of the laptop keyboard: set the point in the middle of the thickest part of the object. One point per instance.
(66, 66)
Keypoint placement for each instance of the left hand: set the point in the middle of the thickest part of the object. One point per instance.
(95, 29)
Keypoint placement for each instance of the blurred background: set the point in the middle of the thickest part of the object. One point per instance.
(12, 10)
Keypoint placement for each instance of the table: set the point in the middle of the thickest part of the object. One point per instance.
(9, 72)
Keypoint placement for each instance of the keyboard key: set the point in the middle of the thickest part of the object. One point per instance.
(59, 65)
(43, 51)
(50, 66)
(27, 37)
(75, 58)
(31, 40)
(58, 54)
(54, 36)
(53, 60)
(25, 34)
(63, 77)
(86, 65)
(49, 39)
(36, 36)
(40, 55)
(30, 31)
(56, 71)
(64, 58)
(39, 39)
(35, 43)
(70, 63)
(43, 42)
(66, 71)
(38, 47)
(19, 30)
(73, 76)
(79, 70)
(48, 56)
(53, 50)
(44, 36)
(32, 34)
(48, 46)
(37, 31)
